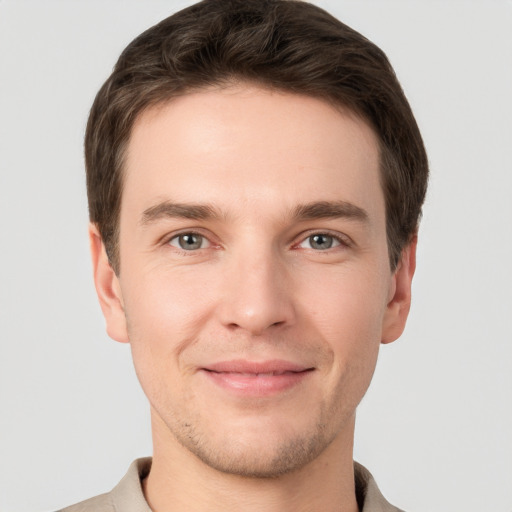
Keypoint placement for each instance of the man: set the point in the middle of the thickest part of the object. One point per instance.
(255, 179)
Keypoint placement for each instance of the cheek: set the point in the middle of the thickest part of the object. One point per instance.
(346, 303)
(347, 310)
(164, 316)
(166, 304)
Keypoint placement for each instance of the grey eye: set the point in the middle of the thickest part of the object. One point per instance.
(189, 241)
(320, 242)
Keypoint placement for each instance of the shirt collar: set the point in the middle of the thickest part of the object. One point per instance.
(128, 495)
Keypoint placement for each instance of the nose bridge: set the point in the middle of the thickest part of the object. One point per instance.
(257, 297)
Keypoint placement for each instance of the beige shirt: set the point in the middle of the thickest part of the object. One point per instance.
(127, 495)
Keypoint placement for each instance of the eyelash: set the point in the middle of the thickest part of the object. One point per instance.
(343, 240)
(166, 241)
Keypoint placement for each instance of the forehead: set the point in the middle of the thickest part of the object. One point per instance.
(245, 145)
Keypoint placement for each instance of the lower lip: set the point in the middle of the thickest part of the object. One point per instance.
(257, 385)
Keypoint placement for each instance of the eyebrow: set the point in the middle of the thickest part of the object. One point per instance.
(168, 209)
(303, 212)
(330, 210)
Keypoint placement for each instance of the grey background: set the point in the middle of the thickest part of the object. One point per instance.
(435, 427)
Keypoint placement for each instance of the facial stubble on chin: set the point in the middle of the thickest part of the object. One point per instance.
(250, 462)
(230, 456)
(291, 455)
(235, 458)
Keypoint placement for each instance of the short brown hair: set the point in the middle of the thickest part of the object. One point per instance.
(288, 45)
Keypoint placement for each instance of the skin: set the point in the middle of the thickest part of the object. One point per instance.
(256, 288)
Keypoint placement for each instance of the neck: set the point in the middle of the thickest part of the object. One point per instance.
(180, 482)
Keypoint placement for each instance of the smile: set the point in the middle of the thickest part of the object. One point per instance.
(262, 374)
(247, 378)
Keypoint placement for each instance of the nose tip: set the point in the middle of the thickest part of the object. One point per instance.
(256, 322)
(258, 300)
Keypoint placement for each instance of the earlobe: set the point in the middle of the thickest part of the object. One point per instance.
(108, 288)
(399, 304)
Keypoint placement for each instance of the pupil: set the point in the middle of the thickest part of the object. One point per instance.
(321, 242)
(190, 241)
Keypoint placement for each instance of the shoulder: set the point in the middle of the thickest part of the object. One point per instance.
(101, 503)
(126, 496)
(369, 497)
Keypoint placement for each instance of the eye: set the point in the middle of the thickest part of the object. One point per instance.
(189, 242)
(320, 242)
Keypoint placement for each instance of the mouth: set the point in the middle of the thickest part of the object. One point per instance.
(250, 378)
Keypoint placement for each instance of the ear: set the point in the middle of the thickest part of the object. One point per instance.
(397, 309)
(108, 288)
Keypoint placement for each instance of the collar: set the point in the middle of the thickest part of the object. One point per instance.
(128, 496)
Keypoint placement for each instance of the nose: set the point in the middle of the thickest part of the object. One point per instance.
(258, 294)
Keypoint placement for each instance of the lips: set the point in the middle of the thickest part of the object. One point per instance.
(252, 378)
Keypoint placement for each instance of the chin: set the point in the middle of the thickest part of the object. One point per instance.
(264, 454)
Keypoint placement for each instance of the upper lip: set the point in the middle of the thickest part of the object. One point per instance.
(275, 366)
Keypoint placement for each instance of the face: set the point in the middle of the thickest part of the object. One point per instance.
(254, 285)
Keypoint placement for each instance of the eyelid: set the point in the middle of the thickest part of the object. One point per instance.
(166, 239)
(204, 241)
(343, 239)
